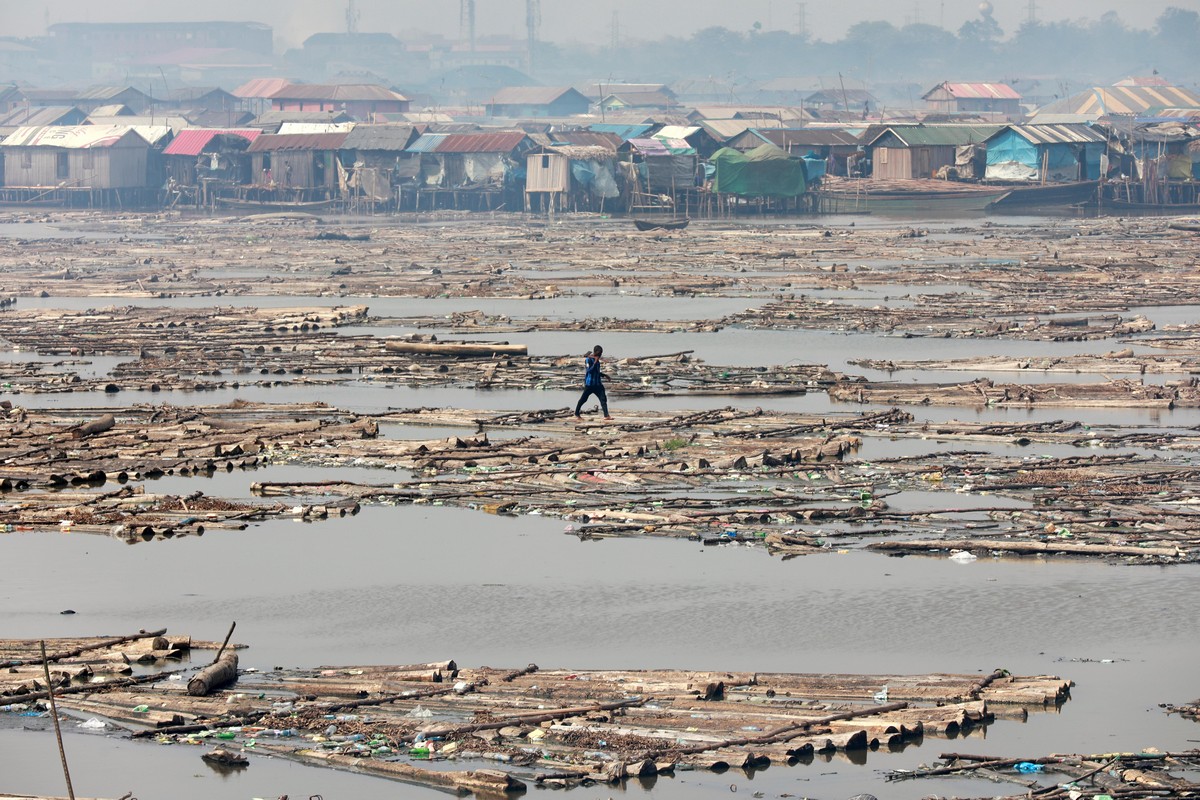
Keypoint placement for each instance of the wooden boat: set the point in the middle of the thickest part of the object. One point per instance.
(661, 224)
(1149, 208)
(1050, 194)
(274, 205)
(921, 196)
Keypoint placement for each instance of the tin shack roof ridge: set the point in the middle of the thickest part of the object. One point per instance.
(270, 142)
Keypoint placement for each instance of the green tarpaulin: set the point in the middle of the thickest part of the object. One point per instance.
(765, 171)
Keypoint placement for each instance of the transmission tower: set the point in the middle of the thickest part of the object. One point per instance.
(466, 22)
(1032, 19)
(616, 30)
(801, 22)
(352, 16)
(533, 21)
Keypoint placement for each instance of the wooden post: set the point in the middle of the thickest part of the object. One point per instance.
(62, 754)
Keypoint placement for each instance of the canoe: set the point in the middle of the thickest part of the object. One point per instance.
(905, 201)
(1050, 194)
(661, 225)
(274, 205)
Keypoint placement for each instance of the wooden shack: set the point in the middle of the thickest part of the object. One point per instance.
(575, 177)
(381, 163)
(470, 170)
(918, 151)
(80, 164)
(298, 167)
(200, 161)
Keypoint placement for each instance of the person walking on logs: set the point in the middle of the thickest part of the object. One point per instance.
(593, 382)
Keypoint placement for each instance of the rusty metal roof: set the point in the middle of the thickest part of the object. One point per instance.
(494, 142)
(270, 142)
(192, 141)
(610, 141)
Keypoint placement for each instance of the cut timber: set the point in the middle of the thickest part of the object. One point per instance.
(456, 349)
(220, 673)
(484, 781)
(104, 423)
(1028, 548)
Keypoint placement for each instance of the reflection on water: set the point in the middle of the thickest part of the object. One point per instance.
(400, 574)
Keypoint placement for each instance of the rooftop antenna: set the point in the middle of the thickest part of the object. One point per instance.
(466, 22)
(352, 16)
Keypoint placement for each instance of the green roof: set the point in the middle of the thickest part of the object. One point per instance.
(926, 135)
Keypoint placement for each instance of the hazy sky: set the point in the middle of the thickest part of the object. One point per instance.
(569, 20)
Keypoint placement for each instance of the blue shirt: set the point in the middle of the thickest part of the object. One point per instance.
(591, 378)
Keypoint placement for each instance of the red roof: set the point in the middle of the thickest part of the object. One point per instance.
(269, 142)
(983, 91)
(192, 141)
(499, 142)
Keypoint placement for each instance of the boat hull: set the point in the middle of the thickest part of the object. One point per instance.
(905, 202)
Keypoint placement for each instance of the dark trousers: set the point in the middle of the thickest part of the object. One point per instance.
(588, 391)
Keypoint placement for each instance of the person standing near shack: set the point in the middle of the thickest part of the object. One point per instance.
(593, 382)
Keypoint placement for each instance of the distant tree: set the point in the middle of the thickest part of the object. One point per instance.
(1178, 31)
(985, 29)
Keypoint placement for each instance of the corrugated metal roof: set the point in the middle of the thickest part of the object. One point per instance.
(269, 119)
(937, 135)
(498, 142)
(427, 143)
(626, 132)
(72, 137)
(642, 99)
(609, 141)
(337, 92)
(108, 92)
(260, 87)
(725, 129)
(192, 141)
(649, 147)
(379, 137)
(676, 131)
(39, 116)
(292, 128)
(1058, 134)
(271, 142)
(580, 152)
(528, 95)
(1100, 101)
(175, 123)
(805, 137)
(977, 91)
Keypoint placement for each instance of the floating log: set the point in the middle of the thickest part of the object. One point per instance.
(462, 349)
(220, 673)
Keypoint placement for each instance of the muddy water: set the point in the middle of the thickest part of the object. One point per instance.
(417, 577)
(402, 584)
